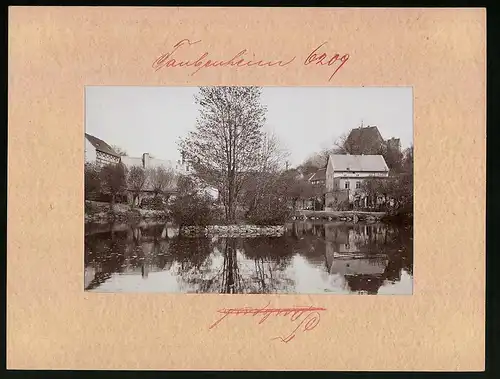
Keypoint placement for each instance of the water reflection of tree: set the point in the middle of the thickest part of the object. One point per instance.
(130, 248)
(231, 278)
(271, 258)
(251, 265)
(150, 248)
(231, 272)
(196, 268)
(105, 255)
(308, 240)
(193, 259)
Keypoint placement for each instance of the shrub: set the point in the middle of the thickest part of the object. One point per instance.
(276, 214)
(342, 205)
(92, 181)
(191, 210)
(157, 203)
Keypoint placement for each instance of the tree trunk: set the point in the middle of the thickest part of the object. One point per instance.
(112, 204)
(230, 200)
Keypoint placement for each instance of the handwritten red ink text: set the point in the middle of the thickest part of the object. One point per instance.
(309, 322)
(237, 60)
(323, 59)
(203, 59)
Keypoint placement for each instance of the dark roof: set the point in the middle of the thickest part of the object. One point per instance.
(364, 140)
(369, 132)
(100, 145)
(318, 175)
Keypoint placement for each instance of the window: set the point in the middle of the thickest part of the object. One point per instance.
(358, 184)
(346, 184)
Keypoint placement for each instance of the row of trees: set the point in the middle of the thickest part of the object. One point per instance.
(398, 187)
(115, 179)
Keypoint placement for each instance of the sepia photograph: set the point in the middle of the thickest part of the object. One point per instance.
(249, 190)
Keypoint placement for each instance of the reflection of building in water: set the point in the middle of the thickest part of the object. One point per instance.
(361, 274)
(351, 251)
(349, 267)
(369, 284)
(354, 239)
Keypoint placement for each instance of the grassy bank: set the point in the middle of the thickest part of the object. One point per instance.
(101, 212)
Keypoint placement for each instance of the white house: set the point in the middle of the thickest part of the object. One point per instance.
(346, 173)
(98, 151)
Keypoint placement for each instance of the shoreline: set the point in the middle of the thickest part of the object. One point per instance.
(352, 216)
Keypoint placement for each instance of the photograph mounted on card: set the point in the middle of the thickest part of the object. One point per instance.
(229, 201)
(247, 184)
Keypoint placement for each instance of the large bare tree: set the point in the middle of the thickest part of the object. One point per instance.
(228, 143)
(271, 162)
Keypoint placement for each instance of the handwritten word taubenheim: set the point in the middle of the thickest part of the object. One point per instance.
(310, 321)
(241, 60)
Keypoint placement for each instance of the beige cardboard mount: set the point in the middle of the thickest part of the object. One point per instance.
(54, 52)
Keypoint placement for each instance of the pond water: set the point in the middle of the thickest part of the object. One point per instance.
(310, 258)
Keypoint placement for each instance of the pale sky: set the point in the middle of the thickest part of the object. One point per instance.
(305, 119)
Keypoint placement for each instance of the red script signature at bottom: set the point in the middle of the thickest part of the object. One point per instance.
(308, 316)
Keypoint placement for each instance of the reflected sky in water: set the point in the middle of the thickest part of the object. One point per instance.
(310, 258)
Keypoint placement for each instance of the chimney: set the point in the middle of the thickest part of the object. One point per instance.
(145, 160)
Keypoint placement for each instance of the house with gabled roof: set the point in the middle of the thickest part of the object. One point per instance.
(346, 173)
(98, 151)
(319, 177)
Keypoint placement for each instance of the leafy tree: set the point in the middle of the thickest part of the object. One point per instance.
(92, 180)
(299, 188)
(408, 160)
(161, 179)
(228, 143)
(190, 207)
(272, 205)
(113, 179)
(136, 180)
